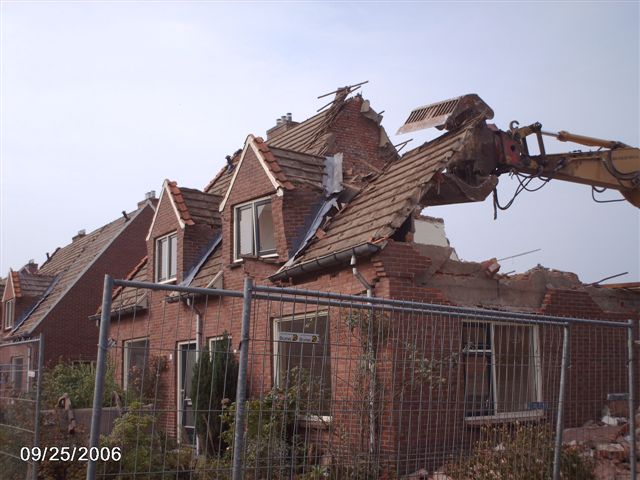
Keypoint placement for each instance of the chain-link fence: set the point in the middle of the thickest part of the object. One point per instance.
(284, 383)
(20, 386)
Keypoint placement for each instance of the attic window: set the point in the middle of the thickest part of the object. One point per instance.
(254, 233)
(8, 314)
(166, 257)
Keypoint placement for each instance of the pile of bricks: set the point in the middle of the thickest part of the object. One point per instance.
(608, 443)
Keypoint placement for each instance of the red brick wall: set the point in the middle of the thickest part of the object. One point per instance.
(69, 333)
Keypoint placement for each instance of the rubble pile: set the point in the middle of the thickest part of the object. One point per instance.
(608, 442)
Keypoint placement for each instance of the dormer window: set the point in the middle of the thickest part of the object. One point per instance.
(254, 229)
(166, 257)
(8, 314)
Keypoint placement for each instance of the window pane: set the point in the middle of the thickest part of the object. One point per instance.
(173, 256)
(17, 371)
(515, 368)
(265, 229)
(308, 356)
(478, 397)
(475, 336)
(244, 243)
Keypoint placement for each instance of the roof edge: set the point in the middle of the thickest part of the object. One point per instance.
(326, 261)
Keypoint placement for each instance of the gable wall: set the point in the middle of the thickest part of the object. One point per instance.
(251, 183)
(166, 221)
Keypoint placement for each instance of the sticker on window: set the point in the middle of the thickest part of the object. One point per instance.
(298, 337)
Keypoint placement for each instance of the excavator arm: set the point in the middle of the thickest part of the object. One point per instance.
(490, 152)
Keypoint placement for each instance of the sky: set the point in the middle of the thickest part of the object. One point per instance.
(101, 101)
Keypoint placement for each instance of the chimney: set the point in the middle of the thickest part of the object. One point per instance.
(150, 196)
(284, 123)
(81, 233)
(31, 266)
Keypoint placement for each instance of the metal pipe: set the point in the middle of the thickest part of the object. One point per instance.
(36, 428)
(101, 369)
(241, 391)
(557, 453)
(434, 308)
(632, 407)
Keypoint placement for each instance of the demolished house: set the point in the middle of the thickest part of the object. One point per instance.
(329, 205)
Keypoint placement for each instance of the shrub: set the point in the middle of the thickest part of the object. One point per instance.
(145, 383)
(523, 452)
(215, 379)
(78, 381)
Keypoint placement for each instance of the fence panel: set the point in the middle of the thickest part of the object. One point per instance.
(20, 383)
(349, 387)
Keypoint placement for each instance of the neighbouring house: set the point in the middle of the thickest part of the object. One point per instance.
(297, 209)
(55, 299)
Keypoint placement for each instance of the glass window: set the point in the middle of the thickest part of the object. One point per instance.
(166, 257)
(266, 239)
(8, 313)
(17, 373)
(136, 356)
(501, 369)
(254, 230)
(302, 355)
(245, 230)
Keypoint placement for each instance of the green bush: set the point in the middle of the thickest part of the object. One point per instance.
(215, 378)
(78, 381)
(522, 452)
(273, 447)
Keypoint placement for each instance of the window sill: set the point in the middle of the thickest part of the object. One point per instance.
(526, 416)
(166, 282)
(315, 420)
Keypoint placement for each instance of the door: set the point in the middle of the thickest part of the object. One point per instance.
(186, 417)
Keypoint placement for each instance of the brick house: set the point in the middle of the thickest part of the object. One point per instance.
(56, 299)
(297, 210)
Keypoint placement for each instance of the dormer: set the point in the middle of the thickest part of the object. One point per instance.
(22, 291)
(185, 223)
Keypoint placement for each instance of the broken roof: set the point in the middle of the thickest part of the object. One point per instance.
(385, 203)
(68, 265)
(129, 299)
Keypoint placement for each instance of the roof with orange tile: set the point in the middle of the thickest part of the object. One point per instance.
(194, 206)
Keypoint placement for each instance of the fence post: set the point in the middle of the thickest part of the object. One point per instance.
(36, 427)
(557, 457)
(632, 411)
(241, 392)
(101, 367)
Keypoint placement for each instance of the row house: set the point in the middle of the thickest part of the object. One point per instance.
(56, 299)
(303, 208)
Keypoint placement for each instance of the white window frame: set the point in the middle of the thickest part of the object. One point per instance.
(534, 349)
(210, 341)
(237, 257)
(126, 361)
(169, 258)
(276, 353)
(9, 313)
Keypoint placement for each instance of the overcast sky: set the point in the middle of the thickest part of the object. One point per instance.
(101, 101)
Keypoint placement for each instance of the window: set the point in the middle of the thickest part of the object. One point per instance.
(254, 229)
(17, 373)
(8, 314)
(136, 357)
(301, 348)
(502, 371)
(166, 257)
